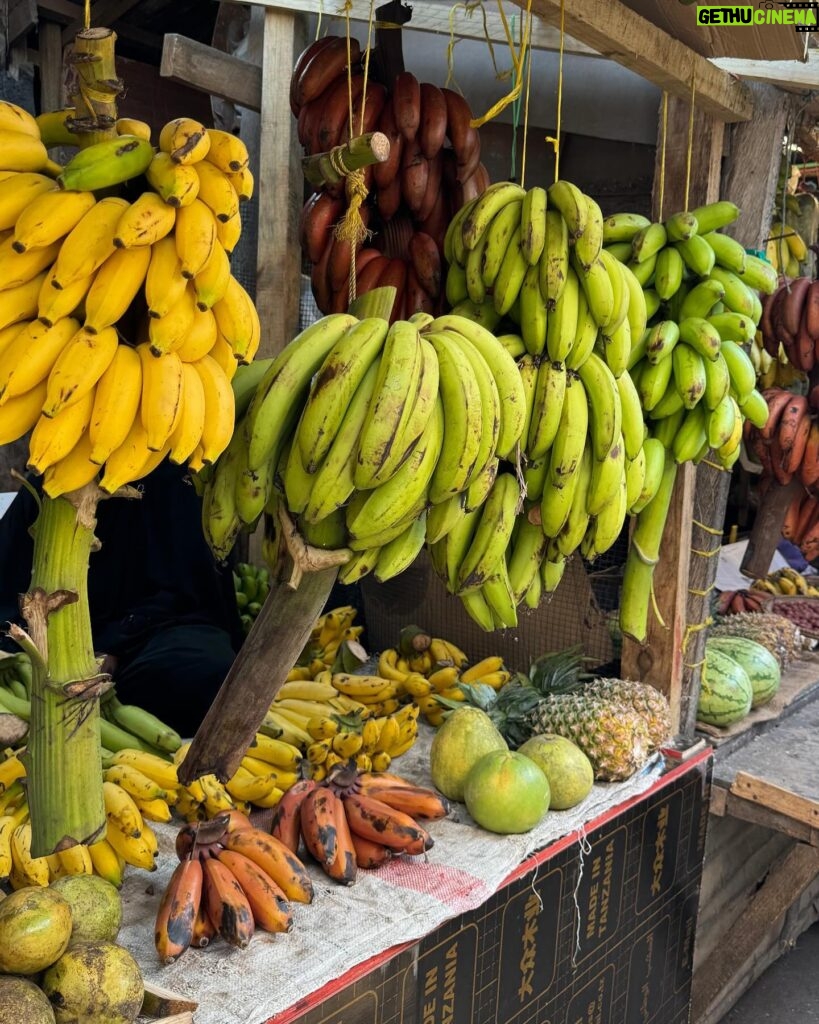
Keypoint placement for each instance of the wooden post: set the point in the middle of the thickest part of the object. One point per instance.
(281, 187)
(660, 661)
(755, 143)
(51, 65)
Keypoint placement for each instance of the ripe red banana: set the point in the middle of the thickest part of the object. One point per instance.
(414, 175)
(435, 171)
(334, 113)
(395, 275)
(793, 304)
(368, 275)
(809, 470)
(388, 199)
(769, 339)
(275, 859)
(203, 928)
(805, 346)
(384, 173)
(793, 424)
(380, 823)
(374, 103)
(175, 919)
(319, 279)
(369, 854)
(302, 61)
(459, 129)
(343, 866)
(426, 262)
(406, 104)
(286, 826)
(318, 218)
(791, 521)
(811, 312)
(318, 825)
(777, 400)
(432, 129)
(416, 300)
(806, 513)
(227, 906)
(269, 906)
(415, 801)
(323, 67)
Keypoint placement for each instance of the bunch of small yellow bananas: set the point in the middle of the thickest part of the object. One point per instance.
(787, 582)
(772, 372)
(132, 799)
(121, 324)
(328, 644)
(349, 716)
(785, 249)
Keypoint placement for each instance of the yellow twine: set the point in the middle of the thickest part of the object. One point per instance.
(715, 465)
(318, 19)
(689, 630)
(694, 664)
(87, 15)
(662, 154)
(701, 593)
(517, 65)
(656, 607)
(469, 9)
(526, 106)
(690, 142)
(555, 139)
(367, 53)
(708, 529)
(704, 554)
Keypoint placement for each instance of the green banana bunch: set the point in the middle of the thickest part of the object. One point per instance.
(251, 584)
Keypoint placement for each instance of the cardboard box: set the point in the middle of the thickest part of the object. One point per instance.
(596, 929)
(570, 616)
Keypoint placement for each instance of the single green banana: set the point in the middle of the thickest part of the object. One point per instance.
(738, 297)
(489, 204)
(562, 322)
(587, 247)
(654, 453)
(653, 381)
(697, 255)
(714, 216)
(759, 275)
(733, 327)
(282, 390)
(606, 476)
(689, 374)
(668, 273)
(572, 204)
(497, 592)
(702, 298)
(702, 336)
(692, 435)
(648, 242)
(681, 226)
(661, 340)
(740, 369)
(720, 422)
(622, 227)
(574, 529)
(106, 163)
(442, 518)
(399, 554)
(635, 479)
(597, 287)
(500, 230)
(489, 400)
(533, 224)
(728, 252)
(533, 315)
(717, 381)
(633, 426)
(605, 411)
(526, 553)
(554, 260)
(550, 391)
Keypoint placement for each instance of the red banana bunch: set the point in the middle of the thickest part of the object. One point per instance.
(433, 168)
(790, 317)
(231, 879)
(735, 602)
(356, 820)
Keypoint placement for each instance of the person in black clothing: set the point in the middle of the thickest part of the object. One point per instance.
(163, 611)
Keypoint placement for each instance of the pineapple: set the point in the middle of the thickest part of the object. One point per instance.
(647, 701)
(613, 736)
(781, 636)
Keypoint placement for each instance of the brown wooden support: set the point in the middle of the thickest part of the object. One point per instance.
(51, 65)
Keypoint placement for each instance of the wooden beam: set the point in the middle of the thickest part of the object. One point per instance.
(784, 74)
(103, 13)
(51, 66)
(280, 186)
(210, 70)
(432, 16)
(777, 798)
(615, 31)
(21, 16)
(61, 10)
(784, 884)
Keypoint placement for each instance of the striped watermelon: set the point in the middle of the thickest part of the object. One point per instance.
(725, 689)
(760, 665)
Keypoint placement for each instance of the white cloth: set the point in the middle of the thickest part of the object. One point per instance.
(400, 902)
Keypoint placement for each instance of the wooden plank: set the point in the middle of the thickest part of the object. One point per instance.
(719, 799)
(62, 10)
(431, 16)
(776, 798)
(210, 70)
(104, 12)
(21, 16)
(784, 884)
(51, 66)
(756, 143)
(616, 32)
(784, 74)
(280, 187)
(745, 810)
(704, 185)
(767, 528)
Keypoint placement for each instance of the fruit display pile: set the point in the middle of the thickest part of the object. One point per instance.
(505, 453)
(434, 166)
(59, 959)
(739, 674)
(252, 585)
(121, 321)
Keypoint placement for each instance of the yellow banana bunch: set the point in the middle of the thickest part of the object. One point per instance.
(76, 273)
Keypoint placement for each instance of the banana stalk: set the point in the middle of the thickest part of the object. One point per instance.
(643, 555)
(64, 769)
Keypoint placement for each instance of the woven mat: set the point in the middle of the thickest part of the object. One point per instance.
(401, 902)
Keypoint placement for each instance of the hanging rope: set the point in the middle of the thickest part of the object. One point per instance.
(351, 228)
(87, 16)
(690, 152)
(555, 139)
(526, 106)
(663, 140)
(517, 65)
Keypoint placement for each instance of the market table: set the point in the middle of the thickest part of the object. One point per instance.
(591, 917)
